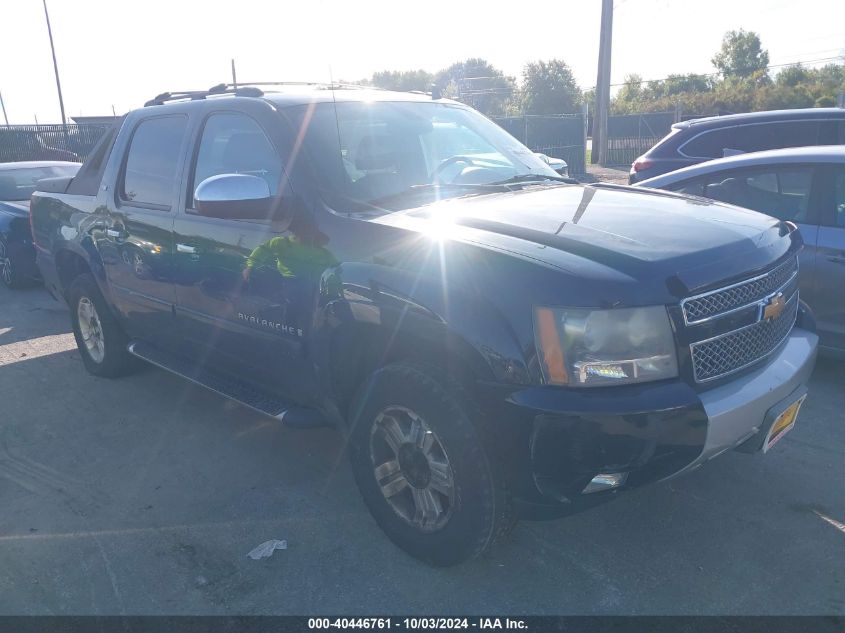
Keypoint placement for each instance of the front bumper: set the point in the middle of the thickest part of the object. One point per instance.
(736, 411)
(557, 440)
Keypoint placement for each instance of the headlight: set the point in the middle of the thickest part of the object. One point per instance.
(585, 348)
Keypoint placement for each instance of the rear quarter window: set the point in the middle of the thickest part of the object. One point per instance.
(87, 180)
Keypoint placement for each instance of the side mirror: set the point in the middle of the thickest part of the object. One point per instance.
(234, 196)
(558, 164)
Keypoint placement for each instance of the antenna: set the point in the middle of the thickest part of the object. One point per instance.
(336, 119)
(3, 105)
(234, 76)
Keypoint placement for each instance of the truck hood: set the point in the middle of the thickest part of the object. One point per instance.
(681, 241)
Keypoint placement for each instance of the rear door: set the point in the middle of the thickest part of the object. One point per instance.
(830, 276)
(136, 233)
(244, 298)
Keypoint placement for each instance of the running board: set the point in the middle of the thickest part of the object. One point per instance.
(256, 399)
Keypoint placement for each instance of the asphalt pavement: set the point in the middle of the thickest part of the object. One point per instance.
(144, 495)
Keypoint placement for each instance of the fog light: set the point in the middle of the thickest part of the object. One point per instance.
(605, 481)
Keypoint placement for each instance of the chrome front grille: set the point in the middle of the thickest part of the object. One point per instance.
(738, 296)
(732, 351)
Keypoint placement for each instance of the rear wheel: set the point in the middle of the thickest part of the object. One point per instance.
(11, 266)
(424, 469)
(99, 337)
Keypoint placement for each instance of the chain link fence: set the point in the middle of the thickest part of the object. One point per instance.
(48, 142)
(630, 135)
(560, 136)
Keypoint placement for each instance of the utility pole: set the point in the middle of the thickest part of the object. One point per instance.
(56, 68)
(603, 83)
(3, 104)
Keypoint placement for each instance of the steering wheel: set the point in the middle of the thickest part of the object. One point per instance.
(452, 160)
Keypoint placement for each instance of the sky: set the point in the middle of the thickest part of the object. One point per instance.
(119, 53)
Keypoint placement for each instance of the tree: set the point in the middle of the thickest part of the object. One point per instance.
(630, 97)
(678, 84)
(741, 55)
(549, 88)
(404, 80)
(478, 83)
(792, 76)
(830, 77)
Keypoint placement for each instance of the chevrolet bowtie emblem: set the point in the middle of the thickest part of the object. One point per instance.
(774, 308)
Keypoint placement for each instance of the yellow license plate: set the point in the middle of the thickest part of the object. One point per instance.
(783, 424)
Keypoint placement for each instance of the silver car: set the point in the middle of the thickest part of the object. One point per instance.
(804, 185)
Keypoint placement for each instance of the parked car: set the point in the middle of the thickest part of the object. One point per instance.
(700, 140)
(805, 185)
(491, 340)
(27, 145)
(17, 182)
(558, 164)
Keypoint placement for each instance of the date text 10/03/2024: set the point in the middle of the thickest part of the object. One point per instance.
(419, 623)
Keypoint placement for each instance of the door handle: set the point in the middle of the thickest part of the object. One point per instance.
(837, 259)
(186, 248)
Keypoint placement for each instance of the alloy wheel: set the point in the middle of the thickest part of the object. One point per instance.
(91, 329)
(412, 468)
(6, 271)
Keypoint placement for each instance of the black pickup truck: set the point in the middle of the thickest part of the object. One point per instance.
(492, 340)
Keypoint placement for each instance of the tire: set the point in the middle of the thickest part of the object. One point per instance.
(405, 407)
(101, 341)
(11, 266)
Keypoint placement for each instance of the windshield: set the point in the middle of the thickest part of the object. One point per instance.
(387, 154)
(19, 184)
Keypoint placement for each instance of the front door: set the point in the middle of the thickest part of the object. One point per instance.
(247, 289)
(135, 238)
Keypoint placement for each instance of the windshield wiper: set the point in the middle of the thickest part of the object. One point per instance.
(527, 178)
(446, 187)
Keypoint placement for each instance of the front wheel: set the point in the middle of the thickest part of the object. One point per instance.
(424, 469)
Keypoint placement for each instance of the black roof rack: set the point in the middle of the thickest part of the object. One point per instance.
(251, 89)
(195, 95)
(317, 84)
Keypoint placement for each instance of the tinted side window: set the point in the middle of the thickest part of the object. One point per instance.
(752, 138)
(708, 144)
(152, 161)
(691, 187)
(783, 192)
(235, 144)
